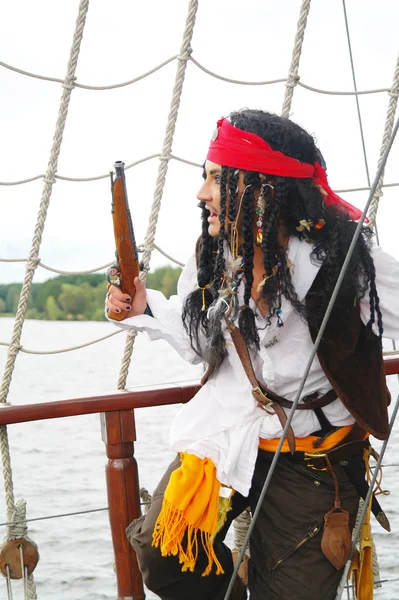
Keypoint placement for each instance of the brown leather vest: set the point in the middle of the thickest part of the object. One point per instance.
(352, 361)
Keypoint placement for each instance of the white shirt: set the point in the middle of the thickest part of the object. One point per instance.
(222, 421)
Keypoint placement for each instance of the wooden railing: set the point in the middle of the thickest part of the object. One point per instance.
(119, 435)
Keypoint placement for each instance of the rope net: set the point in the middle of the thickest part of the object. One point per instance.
(68, 84)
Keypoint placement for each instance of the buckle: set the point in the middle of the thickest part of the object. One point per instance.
(308, 456)
(264, 400)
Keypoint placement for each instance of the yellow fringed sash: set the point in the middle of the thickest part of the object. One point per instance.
(193, 509)
(192, 512)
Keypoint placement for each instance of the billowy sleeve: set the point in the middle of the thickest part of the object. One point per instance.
(387, 284)
(166, 322)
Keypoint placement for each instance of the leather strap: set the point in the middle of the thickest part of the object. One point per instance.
(260, 395)
(243, 354)
(324, 400)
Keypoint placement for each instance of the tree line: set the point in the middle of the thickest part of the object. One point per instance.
(76, 297)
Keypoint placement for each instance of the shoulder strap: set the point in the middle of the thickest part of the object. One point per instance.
(260, 395)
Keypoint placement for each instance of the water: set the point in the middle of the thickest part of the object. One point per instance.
(58, 465)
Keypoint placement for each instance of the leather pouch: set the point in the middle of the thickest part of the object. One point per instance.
(336, 541)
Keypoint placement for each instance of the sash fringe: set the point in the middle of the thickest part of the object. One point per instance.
(170, 530)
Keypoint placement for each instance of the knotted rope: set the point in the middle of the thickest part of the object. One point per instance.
(183, 57)
(49, 180)
(389, 122)
(293, 76)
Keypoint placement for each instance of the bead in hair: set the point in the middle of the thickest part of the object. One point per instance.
(260, 211)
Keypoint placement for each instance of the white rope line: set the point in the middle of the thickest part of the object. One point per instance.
(47, 189)
(8, 583)
(90, 87)
(98, 177)
(203, 68)
(293, 77)
(183, 57)
(165, 254)
(59, 271)
(88, 271)
(236, 81)
(131, 81)
(70, 349)
(150, 157)
(389, 122)
(346, 93)
(24, 582)
(31, 266)
(364, 189)
(106, 337)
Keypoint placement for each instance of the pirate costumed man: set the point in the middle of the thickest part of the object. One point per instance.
(252, 298)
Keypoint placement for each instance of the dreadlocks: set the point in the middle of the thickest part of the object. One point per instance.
(293, 200)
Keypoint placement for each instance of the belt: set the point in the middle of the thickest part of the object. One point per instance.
(350, 458)
(319, 461)
(310, 402)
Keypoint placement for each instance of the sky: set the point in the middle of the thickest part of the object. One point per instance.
(249, 40)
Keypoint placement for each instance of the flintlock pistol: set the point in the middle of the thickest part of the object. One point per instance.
(127, 261)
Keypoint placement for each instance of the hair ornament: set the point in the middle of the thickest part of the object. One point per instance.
(260, 210)
(208, 285)
(303, 224)
(279, 311)
(233, 231)
(233, 266)
(308, 224)
(266, 277)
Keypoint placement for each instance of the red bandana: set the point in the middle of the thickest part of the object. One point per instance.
(233, 147)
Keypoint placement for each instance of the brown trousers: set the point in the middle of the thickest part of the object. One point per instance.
(286, 557)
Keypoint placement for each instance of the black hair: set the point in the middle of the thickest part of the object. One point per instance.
(291, 201)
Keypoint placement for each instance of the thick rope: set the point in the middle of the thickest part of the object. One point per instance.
(185, 52)
(293, 76)
(241, 525)
(17, 529)
(183, 57)
(127, 356)
(389, 121)
(49, 180)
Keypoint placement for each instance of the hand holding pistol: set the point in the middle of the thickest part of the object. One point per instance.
(126, 296)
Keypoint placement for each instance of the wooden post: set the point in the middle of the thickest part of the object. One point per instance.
(118, 433)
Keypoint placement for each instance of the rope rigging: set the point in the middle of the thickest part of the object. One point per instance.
(16, 518)
(31, 266)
